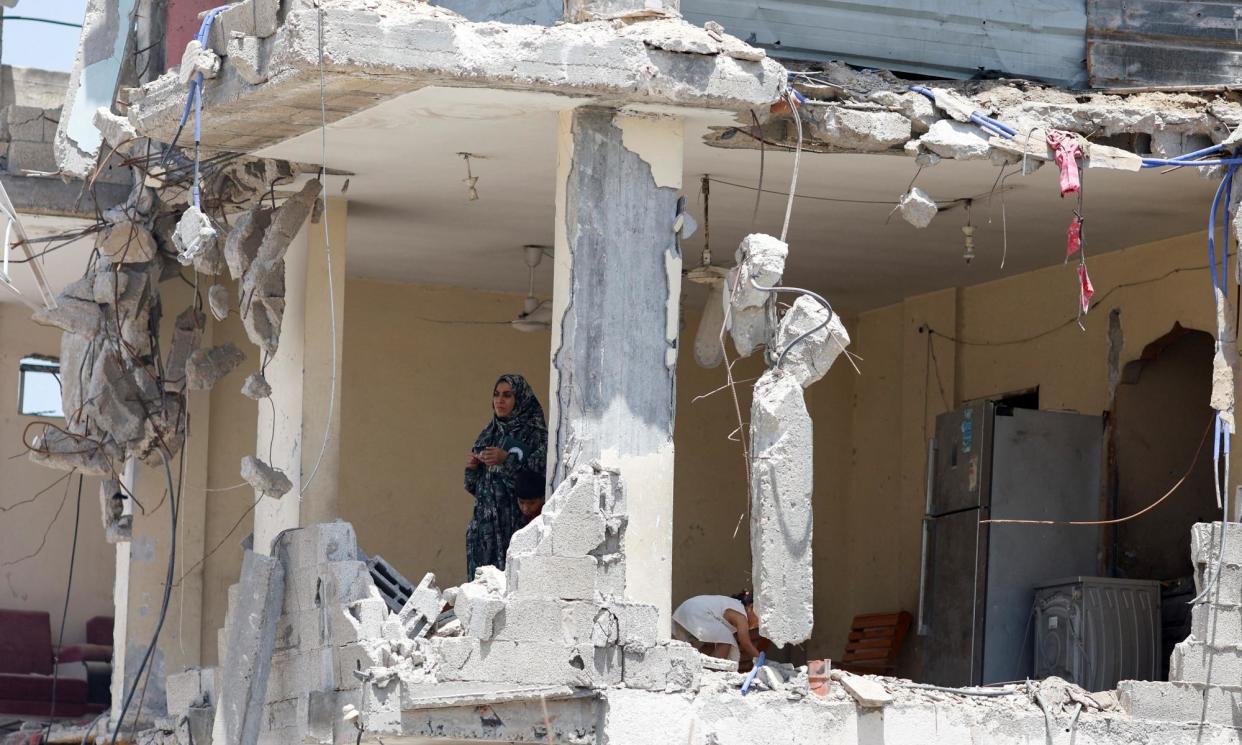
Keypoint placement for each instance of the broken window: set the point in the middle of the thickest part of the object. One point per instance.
(39, 387)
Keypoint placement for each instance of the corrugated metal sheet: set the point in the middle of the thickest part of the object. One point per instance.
(1044, 41)
(1163, 43)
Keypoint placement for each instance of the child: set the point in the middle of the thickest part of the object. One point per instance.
(530, 492)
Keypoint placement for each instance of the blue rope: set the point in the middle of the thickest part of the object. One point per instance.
(194, 98)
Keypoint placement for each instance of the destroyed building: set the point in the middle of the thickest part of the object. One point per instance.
(929, 343)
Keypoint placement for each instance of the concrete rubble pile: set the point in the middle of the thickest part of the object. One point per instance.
(1205, 671)
(801, 348)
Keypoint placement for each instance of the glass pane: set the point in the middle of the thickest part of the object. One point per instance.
(40, 388)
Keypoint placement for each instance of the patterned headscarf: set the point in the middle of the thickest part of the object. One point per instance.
(526, 424)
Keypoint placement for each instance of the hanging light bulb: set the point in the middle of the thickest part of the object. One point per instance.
(968, 232)
(470, 180)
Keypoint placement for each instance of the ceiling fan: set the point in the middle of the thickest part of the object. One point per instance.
(536, 314)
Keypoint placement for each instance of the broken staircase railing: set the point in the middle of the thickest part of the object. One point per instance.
(13, 227)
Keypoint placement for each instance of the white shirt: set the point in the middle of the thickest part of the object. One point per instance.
(703, 617)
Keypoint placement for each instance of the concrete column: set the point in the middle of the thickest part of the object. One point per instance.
(142, 562)
(303, 376)
(615, 323)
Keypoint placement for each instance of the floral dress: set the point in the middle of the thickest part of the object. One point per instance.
(524, 434)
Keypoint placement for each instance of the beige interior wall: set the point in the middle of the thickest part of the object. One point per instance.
(1013, 334)
(38, 583)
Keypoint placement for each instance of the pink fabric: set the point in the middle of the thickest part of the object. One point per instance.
(1066, 150)
(1073, 237)
(1085, 288)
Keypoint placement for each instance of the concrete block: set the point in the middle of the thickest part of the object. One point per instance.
(31, 124)
(535, 663)
(1205, 543)
(637, 623)
(575, 533)
(190, 688)
(327, 584)
(1181, 702)
(317, 544)
(542, 619)
(424, 606)
(295, 672)
(610, 582)
(249, 654)
(285, 714)
(917, 208)
(560, 577)
(247, 18)
(670, 666)
(1191, 661)
(304, 629)
(354, 658)
(868, 692)
(780, 515)
(760, 260)
(819, 340)
(361, 619)
(196, 726)
(32, 156)
(859, 130)
(1224, 629)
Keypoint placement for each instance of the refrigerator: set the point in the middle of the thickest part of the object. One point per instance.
(977, 588)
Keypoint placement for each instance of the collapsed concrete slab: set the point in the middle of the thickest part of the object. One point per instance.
(780, 512)
(400, 47)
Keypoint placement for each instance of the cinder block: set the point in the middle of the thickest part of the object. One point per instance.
(1191, 660)
(541, 619)
(31, 123)
(1230, 590)
(248, 18)
(361, 619)
(32, 156)
(536, 663)
(610, 583)
(285, 714)
(328, 584)
(577, 533)
(296, 672)
(1180, 702)
(671, 666)
(423, 608)
(1225, 629)
(351, 658)
(319, 543)
(1205, 543)
(304, 629)
(564, 578)
(190, 688)
(637, 623)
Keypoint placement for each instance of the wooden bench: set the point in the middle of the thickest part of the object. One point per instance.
(875, 641)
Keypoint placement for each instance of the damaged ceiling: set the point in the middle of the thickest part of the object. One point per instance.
(415, 224)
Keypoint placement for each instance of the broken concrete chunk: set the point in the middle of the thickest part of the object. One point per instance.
(206, 367)
(109, 286)
(858, 130)
(748, 327)
(422, 609)
(243, 53)
(116, 130)
(287, 221)
(1223, 361)
(194, 235)
(256, 18)
(780, 517)
(956, 106)
(126, 242)
(256, 387)
(866, 691)
(917, 207)
(953, 139)
(241, 246)
(67, 451)
(117, 525)
(254, 610)
(184, 342)
(760, 260)
(114, 400)
(73, 316)
(195, 60)
(266, 480)
(218, 301)
(810, 359)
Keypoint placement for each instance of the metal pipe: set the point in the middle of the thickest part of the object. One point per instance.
(921, 629)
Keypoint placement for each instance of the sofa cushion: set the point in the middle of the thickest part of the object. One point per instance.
(39, 688)
(25, 642)
(86, 652)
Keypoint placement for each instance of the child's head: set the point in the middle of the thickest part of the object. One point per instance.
(529, 488)
(748, 600)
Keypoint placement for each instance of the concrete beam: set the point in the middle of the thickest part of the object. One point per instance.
(372, 55)
(617, 184)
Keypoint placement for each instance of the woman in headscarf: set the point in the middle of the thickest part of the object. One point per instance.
(516, 440)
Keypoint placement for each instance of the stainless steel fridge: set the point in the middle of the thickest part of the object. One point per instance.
(978, 581)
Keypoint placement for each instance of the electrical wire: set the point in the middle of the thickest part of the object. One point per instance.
(1116, 521)
(42, 20)
(794, 98)
(64, 616)
(327, 250)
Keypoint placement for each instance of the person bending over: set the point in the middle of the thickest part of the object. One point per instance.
(529, 489)
(718, 625)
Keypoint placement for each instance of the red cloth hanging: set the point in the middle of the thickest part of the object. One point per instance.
(1066, 149)
(1073, 237)
(1086, 290)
